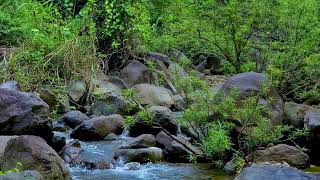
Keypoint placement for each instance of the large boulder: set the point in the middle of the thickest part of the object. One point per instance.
(35, 154)
(142, 141)
(118, 82)
(274, 172)
(24, 113)
(251, 83)
(73, 118)
(77, 89)
(295, 113)
(10, 85)
(143, 155)
(24, 175)
(153, 95)
(162, 116)
(136, 73)
(177, 151)
(281, 153)
(98, 128)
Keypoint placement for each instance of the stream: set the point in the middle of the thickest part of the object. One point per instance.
(154, 171)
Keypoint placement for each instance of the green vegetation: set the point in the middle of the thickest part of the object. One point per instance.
(48, 42)
(17, 169)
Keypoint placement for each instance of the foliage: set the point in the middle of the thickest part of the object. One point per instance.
(17, 169)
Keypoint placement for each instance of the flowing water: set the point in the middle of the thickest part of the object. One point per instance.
(148, 171)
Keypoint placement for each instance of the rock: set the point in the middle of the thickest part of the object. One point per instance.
(58, 142)
(56, 126)
(312, 122)
(24, 113)
(250, 83)
(230, 168)
(136, 73)
(48, 96)
(165, 118)
(295, 113)
(132, 166)
(142, 141)
(3, 143)
(73, 118)
(98, 128)
(24, 175)
(104, 88)
(274, 172)
(111, 137)
(118, 82)
(112, 104)
(91, 162)
(175, 151)
(71, 151)
(158, 57)
(35, 154)
(10, 85)
(77, 90)
(176, 69)
(281, 153)
(153, 95)
(151, 154)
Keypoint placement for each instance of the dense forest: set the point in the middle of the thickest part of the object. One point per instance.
(160, 89)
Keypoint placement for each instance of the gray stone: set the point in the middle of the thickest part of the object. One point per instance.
(153, 95)
(151, 154)
(274, 172)
(281, 153)
(77, 90)
(73, 118)
(10, 85)
(35, 154)
(136, 73)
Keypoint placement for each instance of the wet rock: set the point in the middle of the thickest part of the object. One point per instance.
(91, 162)
(153, 95)
(281, 153)
(35, 154)
(10, 85)
(24, 175)
(24, 113)
(98, 128)
(77, 90)
(151, 154)
(132, 166)
(251, 83)
(142, 141)
(56, 126)
(295, 113)
(111, 137)
(71, 151)
(73, 118)
(174, 150)
(58, 142)
(274, 172)
(136, 73)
